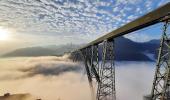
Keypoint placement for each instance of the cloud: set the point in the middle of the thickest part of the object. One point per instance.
(147, 34)
(134, 79)
(129, 1)
(48, 78)
(58, 77)
(148, 5)
(67, 17)
(162, 2)
(46, 66)
(137, 37)
(52, 69)
(33, 23)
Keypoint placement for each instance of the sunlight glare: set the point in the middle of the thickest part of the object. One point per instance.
(4, 34)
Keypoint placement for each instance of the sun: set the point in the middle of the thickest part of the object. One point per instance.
(4, 34)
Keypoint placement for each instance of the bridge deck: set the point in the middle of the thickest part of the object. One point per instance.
(142, 22)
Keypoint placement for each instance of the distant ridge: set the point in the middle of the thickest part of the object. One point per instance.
(50, 50)
(128, 50)
(30, 51)
(125, 50)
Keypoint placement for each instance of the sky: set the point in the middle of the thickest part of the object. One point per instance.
(49, 22)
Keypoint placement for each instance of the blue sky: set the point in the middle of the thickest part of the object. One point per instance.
(45, 22)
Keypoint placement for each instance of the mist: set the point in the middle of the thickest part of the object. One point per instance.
(58, 78)
(134, 79)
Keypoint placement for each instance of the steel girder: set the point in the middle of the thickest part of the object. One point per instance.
(161, 83)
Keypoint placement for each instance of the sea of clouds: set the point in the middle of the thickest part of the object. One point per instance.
(58, 78)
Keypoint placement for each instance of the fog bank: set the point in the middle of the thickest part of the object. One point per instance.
(52, 78)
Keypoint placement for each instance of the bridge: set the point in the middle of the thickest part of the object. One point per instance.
(102, 70)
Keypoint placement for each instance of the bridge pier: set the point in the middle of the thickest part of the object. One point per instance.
(161, 82)
(91, 61)
(106, 88)
(103, 72)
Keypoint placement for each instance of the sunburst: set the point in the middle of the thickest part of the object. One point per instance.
(4, 34)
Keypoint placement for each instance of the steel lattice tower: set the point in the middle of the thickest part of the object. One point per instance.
(106, 88)
(103, 72)
(161, 83)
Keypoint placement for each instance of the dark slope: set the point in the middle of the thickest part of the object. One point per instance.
(128, 50)
(30, 51)
(125, 50)
(51, 50)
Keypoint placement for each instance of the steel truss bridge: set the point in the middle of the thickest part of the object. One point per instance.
(103, 71)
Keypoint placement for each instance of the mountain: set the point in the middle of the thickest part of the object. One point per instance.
(128, 50)
(125, 50)
(30, 51)
(50, 50)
